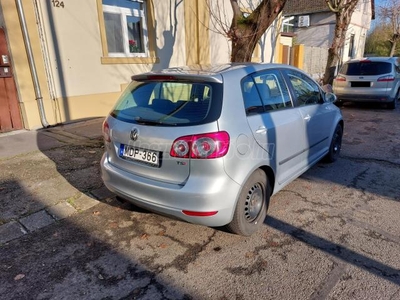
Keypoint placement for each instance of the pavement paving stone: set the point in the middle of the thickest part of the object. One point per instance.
(39, 195)
(24, 142)
(61, 210)
(37, 220)
(75, 133)
(59, 136)
(92, 128)
(11, 231)
(84, 202)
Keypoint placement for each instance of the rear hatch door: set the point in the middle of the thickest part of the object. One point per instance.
(150, 116)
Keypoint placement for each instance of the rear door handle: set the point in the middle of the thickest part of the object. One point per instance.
(307, 118)
(261, 130)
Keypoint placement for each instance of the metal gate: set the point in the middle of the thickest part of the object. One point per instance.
(10, 116)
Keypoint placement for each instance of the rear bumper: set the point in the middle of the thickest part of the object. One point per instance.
(199, 194)
(383, 95)
(364, 98)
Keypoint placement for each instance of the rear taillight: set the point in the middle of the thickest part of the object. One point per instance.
(340, 78)
(386, 78)
(106, 132)
(201, 146)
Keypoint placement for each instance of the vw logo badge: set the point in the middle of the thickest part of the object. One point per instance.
(134, 134)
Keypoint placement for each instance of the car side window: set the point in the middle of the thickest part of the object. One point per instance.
(251, 97)
(272, 90)
(265, 91)
(306, 90)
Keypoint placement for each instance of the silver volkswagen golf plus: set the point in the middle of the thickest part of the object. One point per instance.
(211, 145)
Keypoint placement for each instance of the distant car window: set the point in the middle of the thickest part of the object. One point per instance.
(306, 90)
(169, 103)
(367, 68)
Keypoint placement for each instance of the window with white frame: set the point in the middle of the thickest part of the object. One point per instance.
(288, 24)
(126, 28)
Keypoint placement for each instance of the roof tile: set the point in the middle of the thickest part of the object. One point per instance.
(299, 7)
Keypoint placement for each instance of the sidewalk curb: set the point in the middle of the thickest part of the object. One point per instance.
(15, 229)
(24, 142)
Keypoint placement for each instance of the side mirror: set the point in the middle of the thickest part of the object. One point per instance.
(330, 97)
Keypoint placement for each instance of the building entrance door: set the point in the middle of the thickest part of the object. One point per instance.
(10, 115)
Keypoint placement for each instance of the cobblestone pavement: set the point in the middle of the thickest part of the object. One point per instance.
(38, 165)
(334, 233)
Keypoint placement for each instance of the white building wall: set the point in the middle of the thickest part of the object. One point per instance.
(170, 34)
(360, 24)
(73, 39)
(319, 33)
(73, 46)
(268, 43)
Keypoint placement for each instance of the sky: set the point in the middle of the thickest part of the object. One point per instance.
(377, 4)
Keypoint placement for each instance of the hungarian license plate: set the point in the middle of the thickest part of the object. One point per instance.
(147, 156)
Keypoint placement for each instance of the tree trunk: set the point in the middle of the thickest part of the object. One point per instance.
(245, 32)
(343, 11)
(242, 49)
(334, 52)
(393, 47)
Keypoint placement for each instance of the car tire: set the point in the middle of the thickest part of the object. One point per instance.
(336, 145)
(252, 205)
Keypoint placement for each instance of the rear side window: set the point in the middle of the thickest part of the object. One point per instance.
(366, 68)
(265, 91)
(169, 103)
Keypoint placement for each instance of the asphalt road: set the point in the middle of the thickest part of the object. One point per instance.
(334, 233)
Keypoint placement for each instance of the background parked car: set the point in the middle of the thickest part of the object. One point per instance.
(375, 79)
(210, 145)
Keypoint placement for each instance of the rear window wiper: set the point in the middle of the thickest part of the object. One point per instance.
(142, 121)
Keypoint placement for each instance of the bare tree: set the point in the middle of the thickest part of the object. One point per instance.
(246, 27)
(390, 13)
(343, 10)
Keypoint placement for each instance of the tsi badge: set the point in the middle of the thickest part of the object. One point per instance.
(134, 134)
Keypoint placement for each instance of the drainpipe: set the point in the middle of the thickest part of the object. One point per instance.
(32, 65)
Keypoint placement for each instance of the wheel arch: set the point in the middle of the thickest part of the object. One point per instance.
(341, 123)
(270, 177)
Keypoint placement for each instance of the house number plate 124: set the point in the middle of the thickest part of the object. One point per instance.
(57, 3)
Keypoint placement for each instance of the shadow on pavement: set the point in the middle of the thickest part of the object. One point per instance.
(67, 236)
(346, 255)
(110, 250)
(86, 256)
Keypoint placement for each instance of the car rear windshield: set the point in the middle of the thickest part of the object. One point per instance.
(366, 68)
(169, 103)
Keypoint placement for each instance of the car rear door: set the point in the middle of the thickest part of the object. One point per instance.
(276, 125)
(318, 116)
